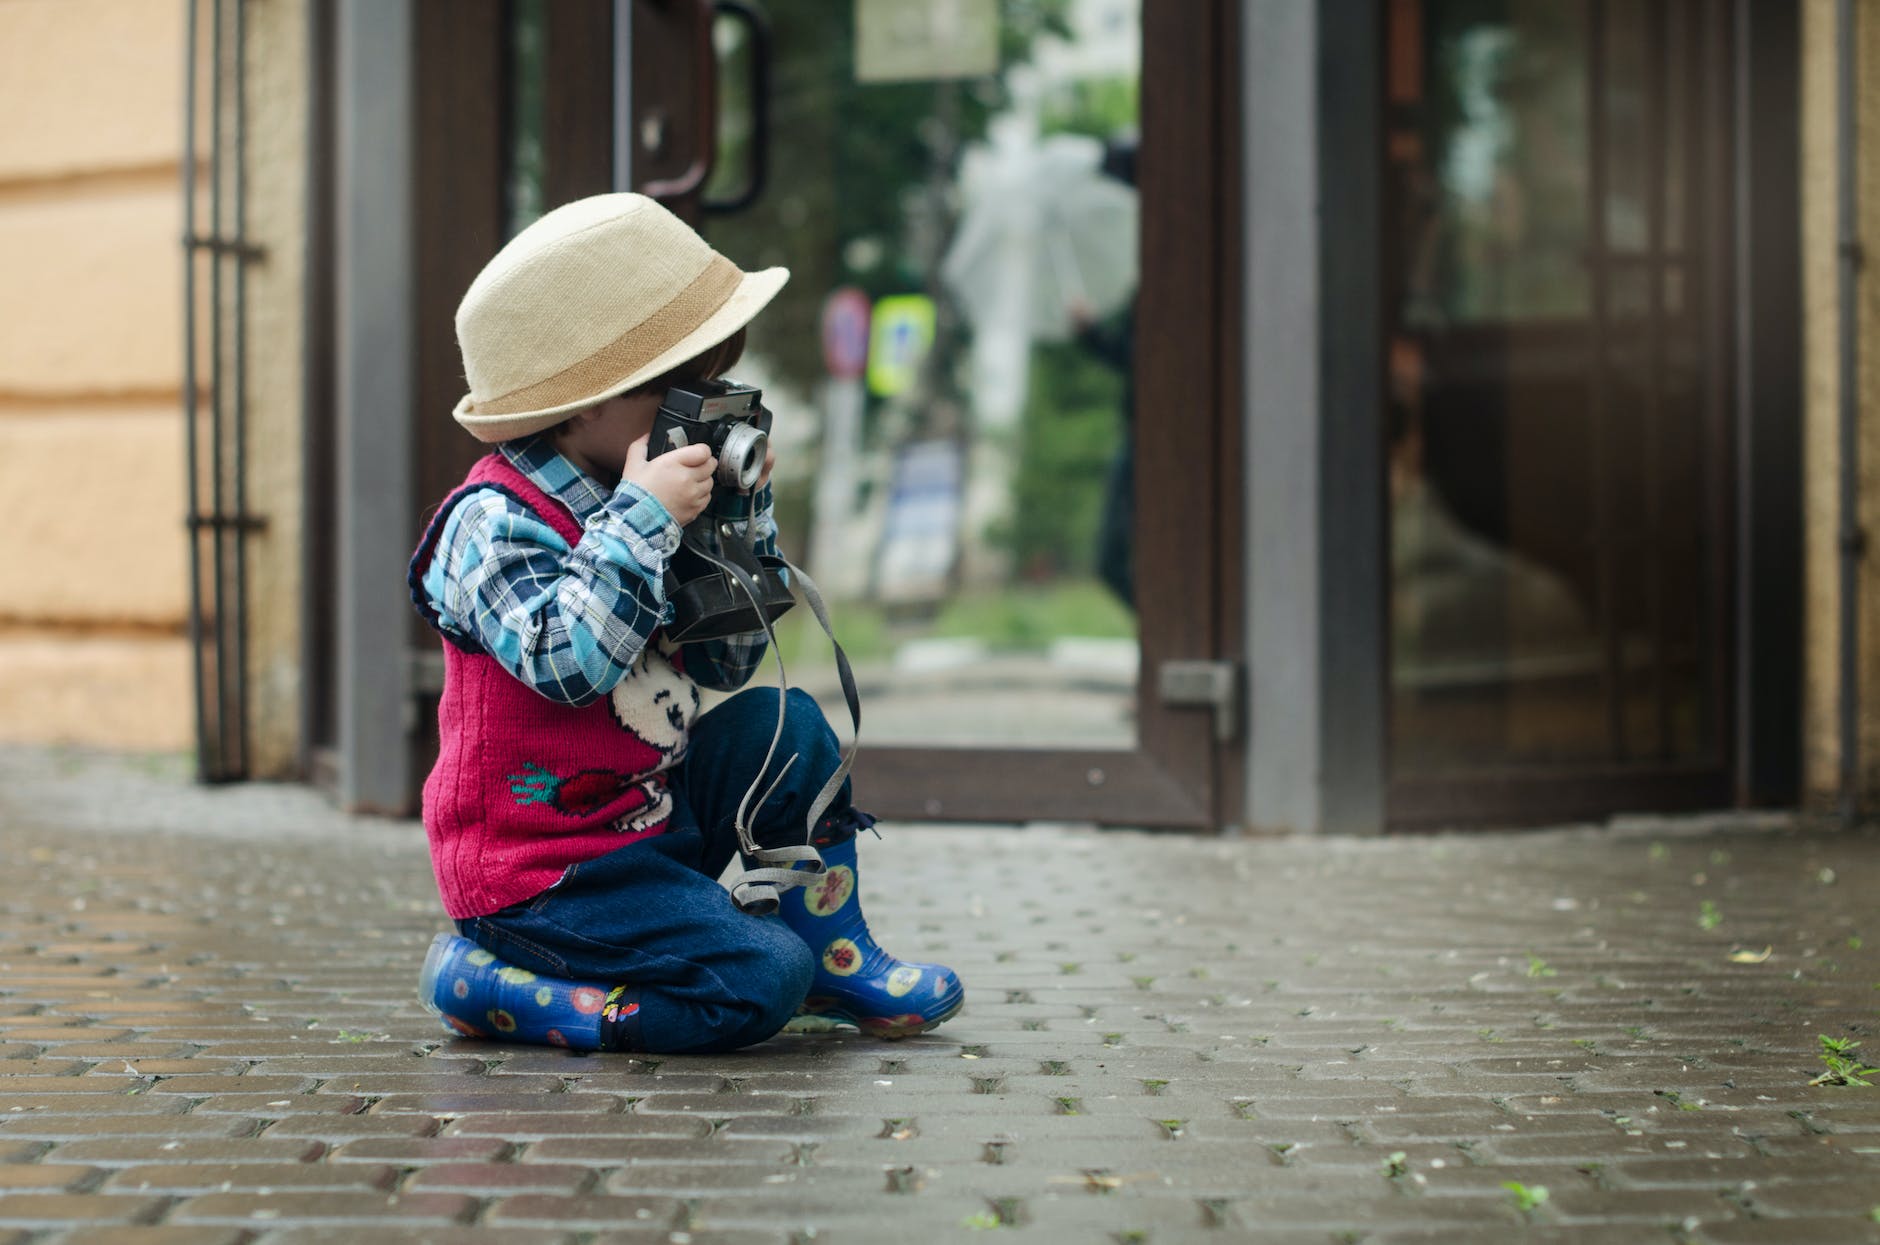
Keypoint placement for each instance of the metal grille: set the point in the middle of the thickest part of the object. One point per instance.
(215, 258)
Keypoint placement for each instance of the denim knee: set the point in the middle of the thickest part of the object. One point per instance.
(770, 981)
(752, 714)
(792, 967)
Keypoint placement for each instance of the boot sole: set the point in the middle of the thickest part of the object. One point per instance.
(873, 1027)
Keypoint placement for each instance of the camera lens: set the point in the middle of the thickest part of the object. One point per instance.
(741, 461)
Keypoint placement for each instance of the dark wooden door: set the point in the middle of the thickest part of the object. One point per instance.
(1559, 304)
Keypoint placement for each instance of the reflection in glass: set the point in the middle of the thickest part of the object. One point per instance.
(950, 363)
(524, 172)
(1551, 464)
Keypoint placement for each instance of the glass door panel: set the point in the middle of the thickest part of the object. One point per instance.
(951, 365)
(1556, 445)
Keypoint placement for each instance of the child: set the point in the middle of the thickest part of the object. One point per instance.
(581, 807)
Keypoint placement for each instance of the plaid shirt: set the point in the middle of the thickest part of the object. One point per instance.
(568, 622)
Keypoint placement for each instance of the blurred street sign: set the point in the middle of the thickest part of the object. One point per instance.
(906, 40)
(845, 318)
(902, 334)
(920, 540)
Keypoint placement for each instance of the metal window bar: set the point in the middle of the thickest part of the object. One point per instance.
(1718, 287)
(1848, 278)
(1657, 172)
(215, 436)
(1599, 388)
(1630, 557)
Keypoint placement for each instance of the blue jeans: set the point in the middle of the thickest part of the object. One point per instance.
(652, 916)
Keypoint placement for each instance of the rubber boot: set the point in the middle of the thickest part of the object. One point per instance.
(477, 995)
(856, 981)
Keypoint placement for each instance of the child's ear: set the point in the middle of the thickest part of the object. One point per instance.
(579, 419)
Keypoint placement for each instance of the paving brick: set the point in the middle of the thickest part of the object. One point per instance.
(204, 1066)
(1589, 1205)
(588, 1211)
(1571, 1149)
(777, 1235)
(44, 1177)
(421, 1151)
(681, 1180)
(118, 1100)
(64, 1209)
(256, 1209)
(1529, 1234)
(84, 1046)
(210, 1084)
(117, 1151)
(273, 1107)
(12, 1069)
(205, 1177)
(462, 1104)
(342, 1127)
(361, 1234)
(606, 1152)
(329, 1208)
(151, 1235)
(529, 1126)
(496, 1178)
(439, 1071)
(1818, 1230)
(60, 1127)
(1824, 1195)
(20, 1089)
(379, 1082)
(1667, 1172)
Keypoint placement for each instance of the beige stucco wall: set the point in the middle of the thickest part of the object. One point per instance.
(1821, 737)
(93, 648)
(91, 461)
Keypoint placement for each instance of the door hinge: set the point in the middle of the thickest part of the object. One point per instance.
(1212, 685)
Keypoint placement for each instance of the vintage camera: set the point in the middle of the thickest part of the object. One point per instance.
(717, 581)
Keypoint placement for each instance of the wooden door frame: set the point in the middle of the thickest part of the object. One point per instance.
(451, 208)
(1188, 556)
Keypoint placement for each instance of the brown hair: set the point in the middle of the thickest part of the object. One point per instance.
(713, 363)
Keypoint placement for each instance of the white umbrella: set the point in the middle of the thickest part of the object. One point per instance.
(1043, 234)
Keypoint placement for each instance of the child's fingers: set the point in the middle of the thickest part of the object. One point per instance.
(636, 453)
(691, 455)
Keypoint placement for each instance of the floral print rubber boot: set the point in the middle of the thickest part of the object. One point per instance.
(477, 995)
(856, 981)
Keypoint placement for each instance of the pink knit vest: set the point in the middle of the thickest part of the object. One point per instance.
(524, 786)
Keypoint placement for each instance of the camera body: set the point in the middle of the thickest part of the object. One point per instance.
(718, 582)
(728, 417)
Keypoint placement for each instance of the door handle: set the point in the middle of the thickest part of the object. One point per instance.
(705, 109)
(757, 29)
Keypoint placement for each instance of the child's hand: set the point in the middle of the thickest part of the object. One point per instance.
(681, 478)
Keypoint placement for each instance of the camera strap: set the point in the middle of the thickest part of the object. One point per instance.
(756, 890)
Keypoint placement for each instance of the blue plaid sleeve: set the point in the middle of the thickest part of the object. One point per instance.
(728, 664)
(569, 622)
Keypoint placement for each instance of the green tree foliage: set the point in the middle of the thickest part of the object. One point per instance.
(860, 173)
(1071, 430)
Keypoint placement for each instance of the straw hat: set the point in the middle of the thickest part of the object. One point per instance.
(595, 298)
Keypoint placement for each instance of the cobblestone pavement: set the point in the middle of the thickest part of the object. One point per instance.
(208, 1034)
